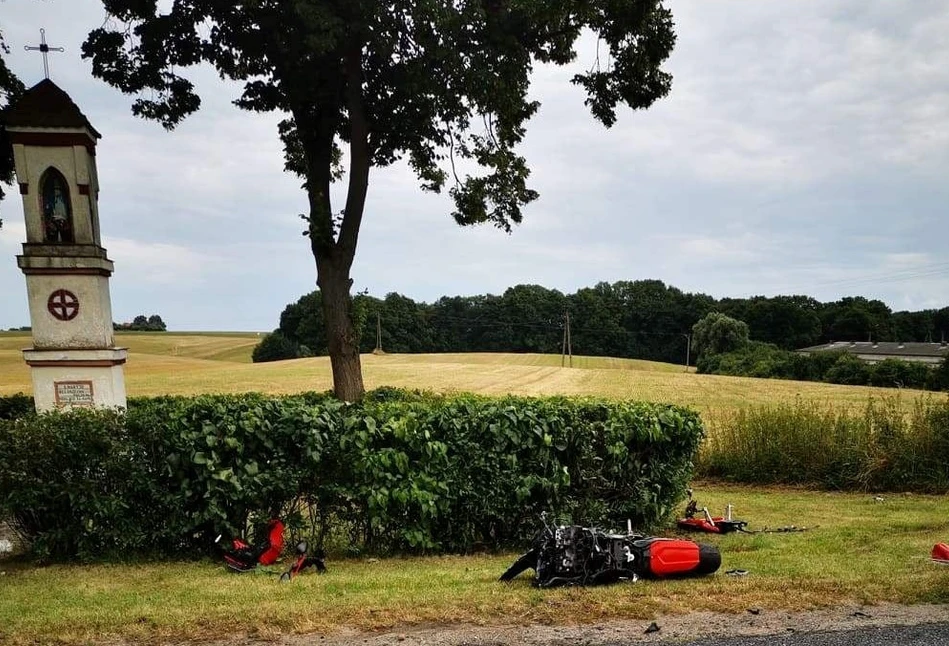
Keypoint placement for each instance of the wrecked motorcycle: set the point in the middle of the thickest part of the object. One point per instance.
(575, 555)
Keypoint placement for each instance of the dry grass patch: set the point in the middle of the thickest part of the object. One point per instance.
(857, 550)
(215, 346)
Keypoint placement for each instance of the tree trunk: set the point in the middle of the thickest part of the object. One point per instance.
(334, 253)
(341, 334)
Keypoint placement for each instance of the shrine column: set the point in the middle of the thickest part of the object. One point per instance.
(73, 361)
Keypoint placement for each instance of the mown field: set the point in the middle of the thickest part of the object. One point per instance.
(188, 363)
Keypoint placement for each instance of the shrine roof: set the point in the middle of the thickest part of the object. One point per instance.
(46, 105)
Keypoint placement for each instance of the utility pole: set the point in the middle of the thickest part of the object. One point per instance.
(563, 349)
(567, 349)
(569, 344)
(688, 350)
(378, 349)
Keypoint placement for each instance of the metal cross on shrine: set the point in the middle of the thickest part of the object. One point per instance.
(45, 49)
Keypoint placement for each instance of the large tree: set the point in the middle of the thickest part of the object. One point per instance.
(717, 333)
(432, 81)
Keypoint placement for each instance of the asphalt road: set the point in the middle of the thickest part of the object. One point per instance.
(921, 635)
(879, 625)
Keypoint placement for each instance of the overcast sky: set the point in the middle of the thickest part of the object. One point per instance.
(804, 149)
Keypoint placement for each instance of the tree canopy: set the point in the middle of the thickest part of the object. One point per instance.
(413, 78)
(717, 333)
(153, 323)
(433, 82)
(10, 90)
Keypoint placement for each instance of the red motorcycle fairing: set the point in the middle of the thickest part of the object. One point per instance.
(940, 553)
(706, 523)
(670, 557)
(275, 544)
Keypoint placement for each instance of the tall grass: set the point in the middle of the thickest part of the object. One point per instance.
(885, 446)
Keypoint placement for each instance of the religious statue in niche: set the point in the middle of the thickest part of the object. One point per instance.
(57, 214)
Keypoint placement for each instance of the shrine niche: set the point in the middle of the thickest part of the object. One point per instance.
(56, 208)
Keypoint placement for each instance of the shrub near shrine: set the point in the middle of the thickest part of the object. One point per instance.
(396, 472)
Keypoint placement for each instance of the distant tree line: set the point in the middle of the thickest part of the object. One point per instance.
(143, 323)
(643, 319)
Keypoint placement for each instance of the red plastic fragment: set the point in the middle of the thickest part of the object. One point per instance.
(941, 552)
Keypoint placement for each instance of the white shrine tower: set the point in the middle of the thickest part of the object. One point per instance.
(73, 361)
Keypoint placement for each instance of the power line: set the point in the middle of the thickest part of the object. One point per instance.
(927, 271)
(549, 326)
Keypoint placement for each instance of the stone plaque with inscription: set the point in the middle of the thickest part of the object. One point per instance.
(73, 393)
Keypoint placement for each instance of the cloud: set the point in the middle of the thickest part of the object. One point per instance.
(788, 93)
(161, 263)
(743, 249)
(12, 234)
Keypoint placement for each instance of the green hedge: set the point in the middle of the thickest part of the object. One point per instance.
(397, 472)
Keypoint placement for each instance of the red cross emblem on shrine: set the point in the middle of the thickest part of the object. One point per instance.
(63, 305)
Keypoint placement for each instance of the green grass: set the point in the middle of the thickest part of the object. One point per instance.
(856, 550)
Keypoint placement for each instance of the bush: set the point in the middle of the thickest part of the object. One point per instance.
(755, 359)
(822, 362)
(275, 347)
(218, 460)
(938, 379)
(14, 406)
(399, 471)
(892, 373)
(848, 370)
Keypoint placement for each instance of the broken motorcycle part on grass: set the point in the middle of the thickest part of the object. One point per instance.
(574, 555)
(705, 522)
(241, 556)
(940, 554)
(303, 561)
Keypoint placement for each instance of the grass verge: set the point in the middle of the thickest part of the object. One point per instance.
(856, 550)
